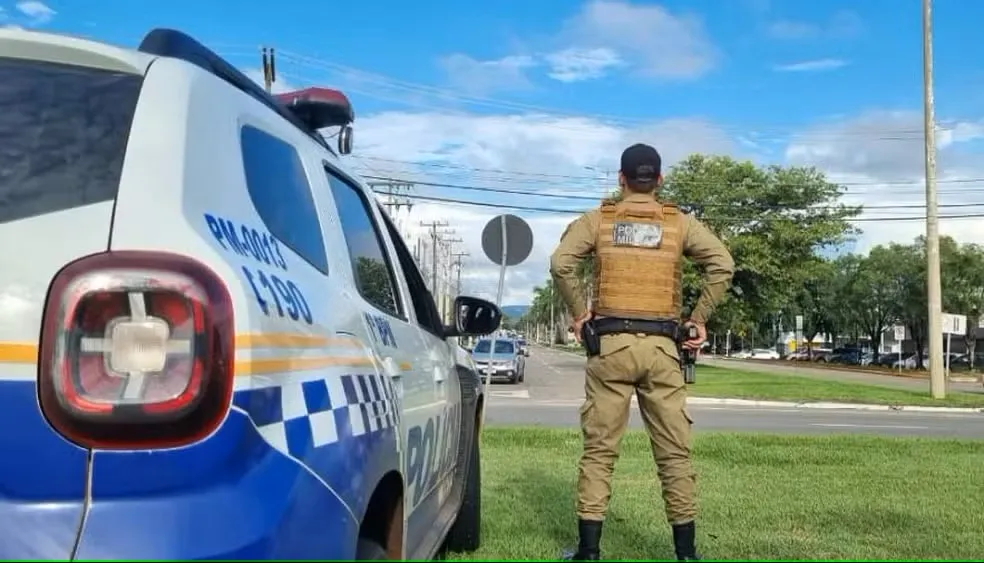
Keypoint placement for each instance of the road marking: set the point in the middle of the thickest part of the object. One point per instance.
(517, 394)
(879, 426)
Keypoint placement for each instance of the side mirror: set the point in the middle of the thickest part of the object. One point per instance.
(474, 317)
(345, 139)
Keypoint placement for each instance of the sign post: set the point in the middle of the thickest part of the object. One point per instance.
(799, 331)
(952, 324)
(507, 241)
(899, 339)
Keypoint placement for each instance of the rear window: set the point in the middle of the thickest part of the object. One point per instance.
(63, 134)
(501, 347)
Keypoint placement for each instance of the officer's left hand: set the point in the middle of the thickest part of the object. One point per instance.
(578, 324)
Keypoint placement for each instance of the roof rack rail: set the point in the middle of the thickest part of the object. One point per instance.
(166, 42)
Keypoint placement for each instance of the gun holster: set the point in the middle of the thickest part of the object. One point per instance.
(688, 358)
(590, 339)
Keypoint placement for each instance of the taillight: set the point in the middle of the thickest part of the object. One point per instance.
(136, 351)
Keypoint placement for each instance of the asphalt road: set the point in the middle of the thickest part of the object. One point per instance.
(553, 389)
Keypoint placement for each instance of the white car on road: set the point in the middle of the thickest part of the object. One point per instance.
(757, 354)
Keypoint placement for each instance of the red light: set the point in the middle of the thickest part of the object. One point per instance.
(319, 107)
(314, 94)
(136, 351)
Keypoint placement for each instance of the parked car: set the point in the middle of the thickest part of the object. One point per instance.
(506, 362)
(798, 356)
(764, 354)
(847, 356)
(214, 342)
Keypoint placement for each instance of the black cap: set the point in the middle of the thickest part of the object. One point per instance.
(641, 163)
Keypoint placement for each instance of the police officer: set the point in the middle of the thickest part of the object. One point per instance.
(639, 244)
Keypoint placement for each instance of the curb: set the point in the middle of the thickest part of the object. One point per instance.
(829, 406)
(817, 405)
(709, 401)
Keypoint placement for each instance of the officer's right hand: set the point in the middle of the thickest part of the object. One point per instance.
(578, 324)
(696, 342)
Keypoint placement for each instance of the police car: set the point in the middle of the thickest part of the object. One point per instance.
(213, 342)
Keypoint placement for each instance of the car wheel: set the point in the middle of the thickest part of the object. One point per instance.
(465, 535)
(369, 550)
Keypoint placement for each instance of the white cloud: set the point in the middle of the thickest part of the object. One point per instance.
(39, 12)
(842, 24)
(575, 65)
(879, 155)
(603, 36)
(482, 77)
(523, 146)
(659, 43)
(789, 29)
(815, 65)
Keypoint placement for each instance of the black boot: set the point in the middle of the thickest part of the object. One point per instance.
(589, 543)
(684, 541)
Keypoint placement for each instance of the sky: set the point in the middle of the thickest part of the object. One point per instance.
(542, 97)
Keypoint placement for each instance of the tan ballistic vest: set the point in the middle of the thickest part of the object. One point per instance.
(639, 260)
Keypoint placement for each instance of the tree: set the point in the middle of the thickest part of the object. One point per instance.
(774, 219)
(870, 295)
(814, 300)
(963, 285)
(539, 313)
(904, 266)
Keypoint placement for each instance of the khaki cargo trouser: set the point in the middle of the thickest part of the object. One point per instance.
(647, 366)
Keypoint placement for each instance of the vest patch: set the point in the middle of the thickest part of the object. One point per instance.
(643, 235)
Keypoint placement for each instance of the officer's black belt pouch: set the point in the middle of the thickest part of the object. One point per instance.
(611, 325)
(590, 339)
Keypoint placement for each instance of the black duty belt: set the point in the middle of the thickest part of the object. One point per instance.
(611, 325)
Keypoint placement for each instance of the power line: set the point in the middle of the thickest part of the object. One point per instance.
(708, 205)
(726, 219)
(584, 178)
(376, 80)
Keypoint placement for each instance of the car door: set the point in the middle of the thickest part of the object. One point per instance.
(439, 356)
(396, 339)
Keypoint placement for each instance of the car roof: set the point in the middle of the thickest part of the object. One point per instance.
(70, 49)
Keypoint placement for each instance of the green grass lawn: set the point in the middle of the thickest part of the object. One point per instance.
(719, 382)
(761, 497)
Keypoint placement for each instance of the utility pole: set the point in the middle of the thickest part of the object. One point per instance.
(446, 278)
(269, 69)
(934, 292)
(393, 192)
(434, 226)
(394, 196)
(457, 264)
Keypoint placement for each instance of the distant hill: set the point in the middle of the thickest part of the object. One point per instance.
(514, 311)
